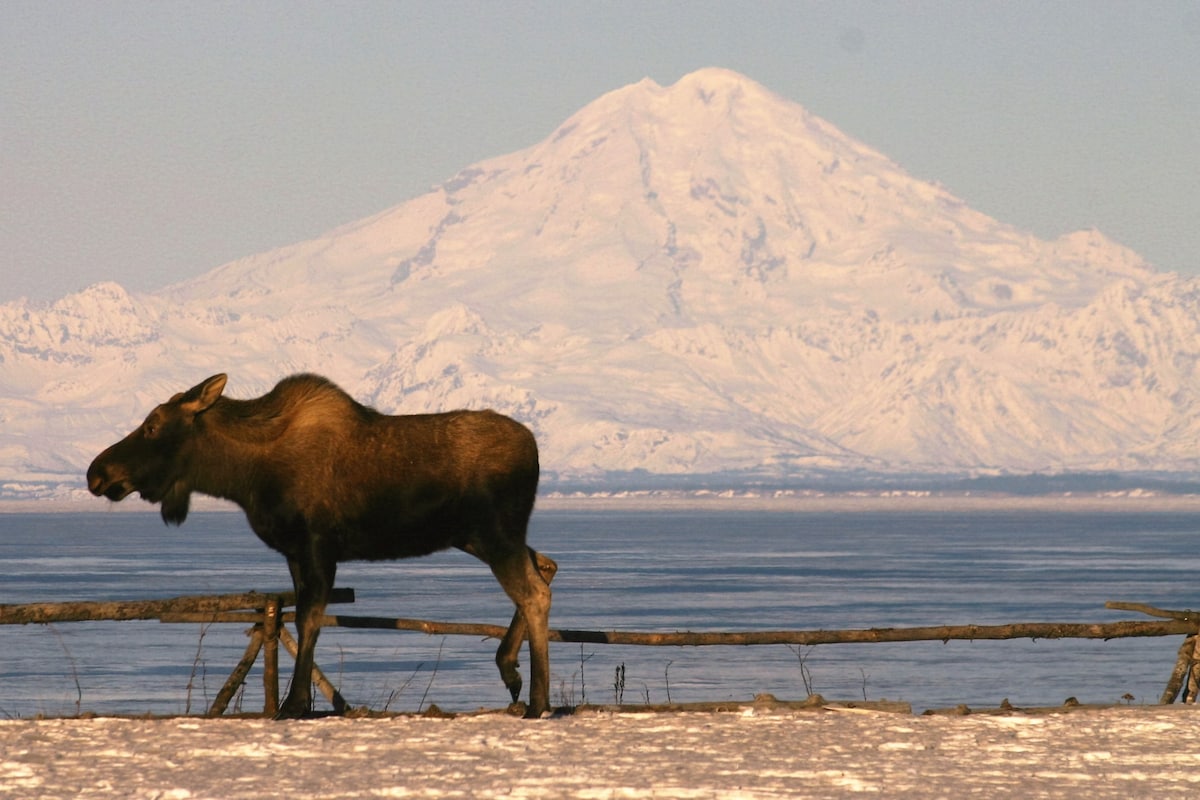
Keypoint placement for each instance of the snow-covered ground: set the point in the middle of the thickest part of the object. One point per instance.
(756, 752)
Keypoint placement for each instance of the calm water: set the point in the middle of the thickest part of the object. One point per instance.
(644, 571)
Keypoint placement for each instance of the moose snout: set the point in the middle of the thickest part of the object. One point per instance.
(101, 483)
(97, 478)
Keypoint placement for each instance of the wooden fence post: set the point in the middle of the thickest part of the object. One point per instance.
(271, 657)
(1182, 662)
(1193, 684)
(238, 677)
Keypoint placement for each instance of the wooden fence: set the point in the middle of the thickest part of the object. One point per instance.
(265, 613)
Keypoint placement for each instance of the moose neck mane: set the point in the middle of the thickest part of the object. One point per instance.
(300, 399)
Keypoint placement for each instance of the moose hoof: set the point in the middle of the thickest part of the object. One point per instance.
(532, 712)
(512, 680)
(293, 709)
(519, 709)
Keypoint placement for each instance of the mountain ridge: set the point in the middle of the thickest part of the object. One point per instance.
(700, 278)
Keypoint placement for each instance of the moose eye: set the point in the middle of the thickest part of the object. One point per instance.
(150, 430)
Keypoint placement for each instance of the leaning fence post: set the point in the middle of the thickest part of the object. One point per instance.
(1182, 662)
(271, 657)
(1193, 684)
(239, 673)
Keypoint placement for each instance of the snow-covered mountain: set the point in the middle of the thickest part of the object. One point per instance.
(701, 278)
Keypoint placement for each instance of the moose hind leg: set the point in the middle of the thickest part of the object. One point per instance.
(510, 646)
(530, 592)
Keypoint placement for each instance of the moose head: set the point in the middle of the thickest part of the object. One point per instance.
(154, 460)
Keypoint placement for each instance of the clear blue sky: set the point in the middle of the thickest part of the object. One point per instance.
(146, 142)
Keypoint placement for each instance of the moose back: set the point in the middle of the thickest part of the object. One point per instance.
(324, 479)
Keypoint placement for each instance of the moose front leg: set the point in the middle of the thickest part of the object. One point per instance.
(313, 581)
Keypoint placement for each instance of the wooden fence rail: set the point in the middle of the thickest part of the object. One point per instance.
(207, 604)
(264, 613)
(944, 633)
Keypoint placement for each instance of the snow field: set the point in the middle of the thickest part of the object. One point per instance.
(1127, 752)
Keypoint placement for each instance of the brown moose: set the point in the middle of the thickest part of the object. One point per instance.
(323, 479)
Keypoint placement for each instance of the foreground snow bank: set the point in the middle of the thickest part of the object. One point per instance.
(1130, 752)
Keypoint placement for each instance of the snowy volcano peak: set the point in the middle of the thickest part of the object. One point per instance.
(713, 110)
(719, 139)
(716, 181)
(660, 199)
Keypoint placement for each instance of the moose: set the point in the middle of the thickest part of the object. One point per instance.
(323, 479)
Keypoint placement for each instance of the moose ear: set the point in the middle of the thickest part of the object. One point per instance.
(201, 396)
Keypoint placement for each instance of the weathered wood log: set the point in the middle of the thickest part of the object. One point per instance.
(944, 633)
(238, 676)
(1193, 683)
(424, 626)
(270, 631)
(26, 613)
(205, 617)
(1182, 661)
(1186, 615)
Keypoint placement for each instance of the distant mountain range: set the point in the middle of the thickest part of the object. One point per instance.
(697, 280)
